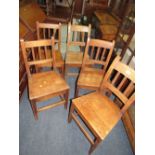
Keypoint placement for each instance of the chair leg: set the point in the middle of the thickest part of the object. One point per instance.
(34, 109)
(66, 98)
(63, 71)
(77, 91)
(93, 146)
(66, 71)
(70, 113)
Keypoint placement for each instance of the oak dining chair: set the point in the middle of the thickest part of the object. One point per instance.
(97, 110)
(44, 83)
(46, 31)
(97, 55)
(76, 42)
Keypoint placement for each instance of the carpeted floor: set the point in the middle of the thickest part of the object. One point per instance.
(52, 135)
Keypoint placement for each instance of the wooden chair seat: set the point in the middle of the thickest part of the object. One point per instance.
(89, 79)
(46, 83)
(99, 111)
(74, 58)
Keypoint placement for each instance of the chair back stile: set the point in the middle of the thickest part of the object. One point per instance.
(120, 80)
(99, 52)
(33, 49)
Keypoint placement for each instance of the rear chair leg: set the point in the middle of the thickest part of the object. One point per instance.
(34, 109)
(77, 91)
(70, 113)
(66, 96)
(63, 71)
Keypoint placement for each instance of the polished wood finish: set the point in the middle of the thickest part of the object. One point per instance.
(31, 13)
(97, 110)
(43, 83)
(106, 18)
(108, 32)
(77, 36)
(91, 76)
(46, 31)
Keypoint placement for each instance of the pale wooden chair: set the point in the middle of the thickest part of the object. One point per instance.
(98, 111)
(46, 83)
(46, 31)
(77, 37)
(100, 52)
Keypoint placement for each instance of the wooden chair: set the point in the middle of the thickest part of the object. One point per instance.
(46, 83)
(91, 76)
(98, 111)
(46, 31)
(77, 36)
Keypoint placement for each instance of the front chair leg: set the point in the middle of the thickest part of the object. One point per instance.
(93, 146)
(70, 113)
(34, 109)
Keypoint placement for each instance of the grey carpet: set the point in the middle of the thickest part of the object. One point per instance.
(52, 135)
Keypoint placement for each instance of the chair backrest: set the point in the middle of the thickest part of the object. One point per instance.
(77, 35)
(47, 30)
(120, 80)
(98, 54)
(32, 51)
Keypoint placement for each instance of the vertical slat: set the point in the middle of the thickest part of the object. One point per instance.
(44, 35)
(39, 52)
(121, 83)
(75, 36)
(91, 52)
(129, 89)
(97, 54)
(102, 56)
(33, 54)
(54, 33)
(83, 34)
(49, 33)
(46, 54)
(115, 78)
